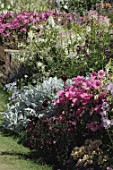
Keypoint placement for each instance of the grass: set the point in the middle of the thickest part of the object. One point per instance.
(14, 156)
(3, 100)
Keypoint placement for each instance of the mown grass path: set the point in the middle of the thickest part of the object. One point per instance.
(13, 156)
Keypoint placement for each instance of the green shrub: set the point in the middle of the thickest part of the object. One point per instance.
(80, 6)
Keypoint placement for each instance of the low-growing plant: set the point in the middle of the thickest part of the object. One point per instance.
(30, 100)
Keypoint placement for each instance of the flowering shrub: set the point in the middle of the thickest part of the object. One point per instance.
(83, 110)
(80, 6)
(74, 52)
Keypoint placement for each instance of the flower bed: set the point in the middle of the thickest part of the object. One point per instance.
(61, 91)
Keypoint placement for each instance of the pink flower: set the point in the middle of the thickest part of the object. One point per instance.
(1, 30)
(69, 94)
(54, 142)
(108, 168)
(101, 74)
(60, 118)
(6, 34)
(86, 96)
(26, 21)
(94, 73)
(91, 111)
(23, 30)
(97, 84)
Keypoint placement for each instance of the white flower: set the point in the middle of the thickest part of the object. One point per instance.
(69, 42)
(65, 7)
(51, 21)
(8, 7)
(88, 29)
(30, 35)
(79, 37)
(39, 64)
(25, 76)
(2, 5)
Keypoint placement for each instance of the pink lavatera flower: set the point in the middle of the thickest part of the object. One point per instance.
(86, 96)
(101, 73)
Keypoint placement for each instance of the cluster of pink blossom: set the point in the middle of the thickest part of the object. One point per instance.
(83, 100)
(24, 20)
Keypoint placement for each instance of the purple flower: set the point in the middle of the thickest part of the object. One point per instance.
(93, 126)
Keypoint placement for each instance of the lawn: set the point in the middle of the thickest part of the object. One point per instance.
(3, 100)
(13, 156)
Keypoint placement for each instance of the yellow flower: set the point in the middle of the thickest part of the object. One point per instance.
(102, 5)
(108, 5)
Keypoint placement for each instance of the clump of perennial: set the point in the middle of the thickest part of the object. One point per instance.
(89, 154)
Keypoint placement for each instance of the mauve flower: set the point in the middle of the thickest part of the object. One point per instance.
(103, 113)
(101, 73)
(109, 168)
(93, 126)
(105, 122)
(110, 87)
(105, 105)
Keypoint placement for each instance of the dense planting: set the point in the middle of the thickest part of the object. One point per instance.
(61, 90)
(15, 26)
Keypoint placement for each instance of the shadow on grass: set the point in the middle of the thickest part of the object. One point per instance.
(31, 155)
(8, 133)
(20, 155)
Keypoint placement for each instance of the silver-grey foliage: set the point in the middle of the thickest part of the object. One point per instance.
(30, 102)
